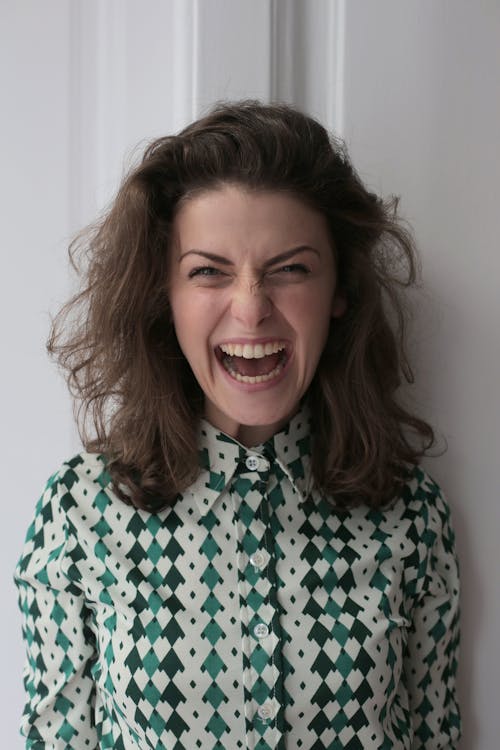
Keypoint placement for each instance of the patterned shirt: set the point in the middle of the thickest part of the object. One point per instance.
(250, 615)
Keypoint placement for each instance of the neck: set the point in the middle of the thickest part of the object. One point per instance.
(247, 435)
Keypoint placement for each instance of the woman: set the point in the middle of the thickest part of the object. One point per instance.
(247, 554)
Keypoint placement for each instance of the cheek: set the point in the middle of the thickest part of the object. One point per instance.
(185, 326)
(194, 318)
(188, 312)
(312, 324)
(311, 313)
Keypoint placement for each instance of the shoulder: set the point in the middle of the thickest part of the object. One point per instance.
(421, 499)
(414, 526)
(429, 529)
(75, 499)
(47, 536)
(80, 470)
(78, 482)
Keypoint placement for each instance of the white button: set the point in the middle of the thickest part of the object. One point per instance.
(252, 463)
(261, 630)
(266, 711)
(258, 559)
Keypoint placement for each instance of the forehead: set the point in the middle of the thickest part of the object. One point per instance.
(240, 212)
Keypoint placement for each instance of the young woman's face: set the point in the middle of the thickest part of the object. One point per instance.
(252, 287)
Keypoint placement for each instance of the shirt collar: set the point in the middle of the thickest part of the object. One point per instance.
(221, 456)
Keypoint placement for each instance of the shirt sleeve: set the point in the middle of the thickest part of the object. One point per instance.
(433, 640)
(60, 649)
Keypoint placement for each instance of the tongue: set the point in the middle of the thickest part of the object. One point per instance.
(253, 367)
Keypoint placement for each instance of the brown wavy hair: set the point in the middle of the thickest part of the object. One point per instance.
(115, 338)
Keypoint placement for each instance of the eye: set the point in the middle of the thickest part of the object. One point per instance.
(205, 271)
(293, 268)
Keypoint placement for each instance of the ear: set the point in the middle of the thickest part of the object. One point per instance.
(339, 305)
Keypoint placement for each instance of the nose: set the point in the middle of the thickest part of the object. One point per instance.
(250, 305)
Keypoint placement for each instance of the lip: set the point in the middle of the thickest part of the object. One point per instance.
(252, 387)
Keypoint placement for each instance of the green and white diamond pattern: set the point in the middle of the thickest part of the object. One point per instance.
(249, 615)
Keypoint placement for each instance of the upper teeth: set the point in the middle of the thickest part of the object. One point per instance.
(252, 351)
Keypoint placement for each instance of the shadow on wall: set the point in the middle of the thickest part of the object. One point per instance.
(432, 359)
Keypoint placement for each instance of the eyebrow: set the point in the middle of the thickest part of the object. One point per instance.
(271, 262)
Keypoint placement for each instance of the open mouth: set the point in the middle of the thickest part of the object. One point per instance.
(253, 363)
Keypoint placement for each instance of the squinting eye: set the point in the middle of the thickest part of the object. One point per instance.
(204, 271)
(293, 268)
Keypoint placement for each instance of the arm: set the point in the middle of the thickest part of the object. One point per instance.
(57, 675)
(433, 640)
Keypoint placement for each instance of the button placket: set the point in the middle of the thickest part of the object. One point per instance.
(260, 625)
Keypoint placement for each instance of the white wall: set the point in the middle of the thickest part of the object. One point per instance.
(414, 88)
(422, 116)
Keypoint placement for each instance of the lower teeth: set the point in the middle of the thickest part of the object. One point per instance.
(253, 378)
